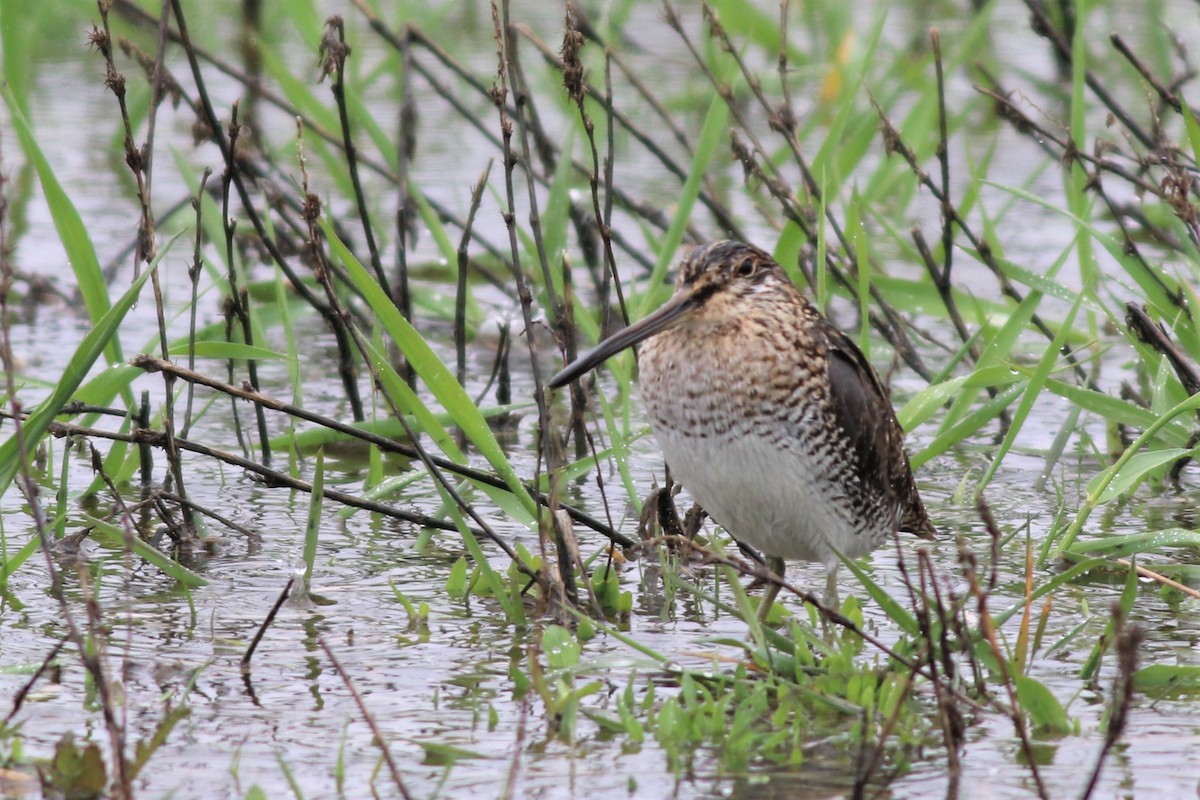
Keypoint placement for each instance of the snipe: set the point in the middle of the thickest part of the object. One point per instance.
(769, 415)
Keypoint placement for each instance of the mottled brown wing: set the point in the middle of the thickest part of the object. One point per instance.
(864, 411)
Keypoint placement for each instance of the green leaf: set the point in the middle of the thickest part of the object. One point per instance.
(555, 214)
(1114, 409)
(81, 253)
(225, 351)
(76, 772)
(1048, 715)
(1041, 282)
(521, 682)
(111, 535)
(1135, 543)
(18, 29)
(1162, 678)
(439, 754)
(925, 403)
(433, 221)
(104, 386)
(903, 618)
(146, 748)
(560, 646)
(36, 425)
(456, 583)
(312, 529)
(1155, 284)
(1048, 587)
(509, 601)
(436, 375)
(1124, 477)
(714, 131)
(1193, 131)
(968, 425)
(1096, 491)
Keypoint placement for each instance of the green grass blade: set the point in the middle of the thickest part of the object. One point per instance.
(711, 135)
(1036, 381)
(433, 371)
(1112, 483)
(1114, 409)
(925, 403)
(1193, 131)
(1097, 489)
(226, 351)
(76, 240)
(96, 341)
(1041, 590)
(1126, 545)
(896, 612)
(312, 530)
(111, 535)
(968, 425)
(1105, 641)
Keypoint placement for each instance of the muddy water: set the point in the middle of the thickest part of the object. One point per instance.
(445, 682)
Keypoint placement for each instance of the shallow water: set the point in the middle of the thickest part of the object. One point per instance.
(446, 682)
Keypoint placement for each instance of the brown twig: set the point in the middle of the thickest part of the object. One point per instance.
(237, 306)
(332, 54)
(209, 117)
(194, 269)
(406, 145)
(894, 143)
(460, 291)
(152, 364)
(445, 486)
(550, 448)
(368, 718)
(90, 657)
(990, 636)
(27, 687)
(1128, 640)
(1044, 26)
(266, 623)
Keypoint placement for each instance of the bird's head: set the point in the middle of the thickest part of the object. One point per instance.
(715, 282)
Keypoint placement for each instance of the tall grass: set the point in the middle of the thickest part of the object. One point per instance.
(870, 155)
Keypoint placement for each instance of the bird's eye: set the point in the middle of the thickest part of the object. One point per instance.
(746, 268)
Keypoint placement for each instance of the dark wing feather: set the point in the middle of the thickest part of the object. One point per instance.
(863, 410)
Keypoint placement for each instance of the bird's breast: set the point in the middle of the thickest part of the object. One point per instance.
(743, 416)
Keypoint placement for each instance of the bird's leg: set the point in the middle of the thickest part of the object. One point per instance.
(830, 601)
(779, 567)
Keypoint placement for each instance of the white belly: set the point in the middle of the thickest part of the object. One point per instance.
(774, 500)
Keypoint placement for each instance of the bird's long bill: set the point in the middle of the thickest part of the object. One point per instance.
(644, 328)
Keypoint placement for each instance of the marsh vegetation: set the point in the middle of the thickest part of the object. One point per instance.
(285, 505)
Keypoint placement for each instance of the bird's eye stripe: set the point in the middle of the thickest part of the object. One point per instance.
(704, 292)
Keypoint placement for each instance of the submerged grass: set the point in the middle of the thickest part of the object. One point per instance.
(604, 175)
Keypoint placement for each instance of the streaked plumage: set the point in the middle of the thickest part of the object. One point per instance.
(769, 415)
